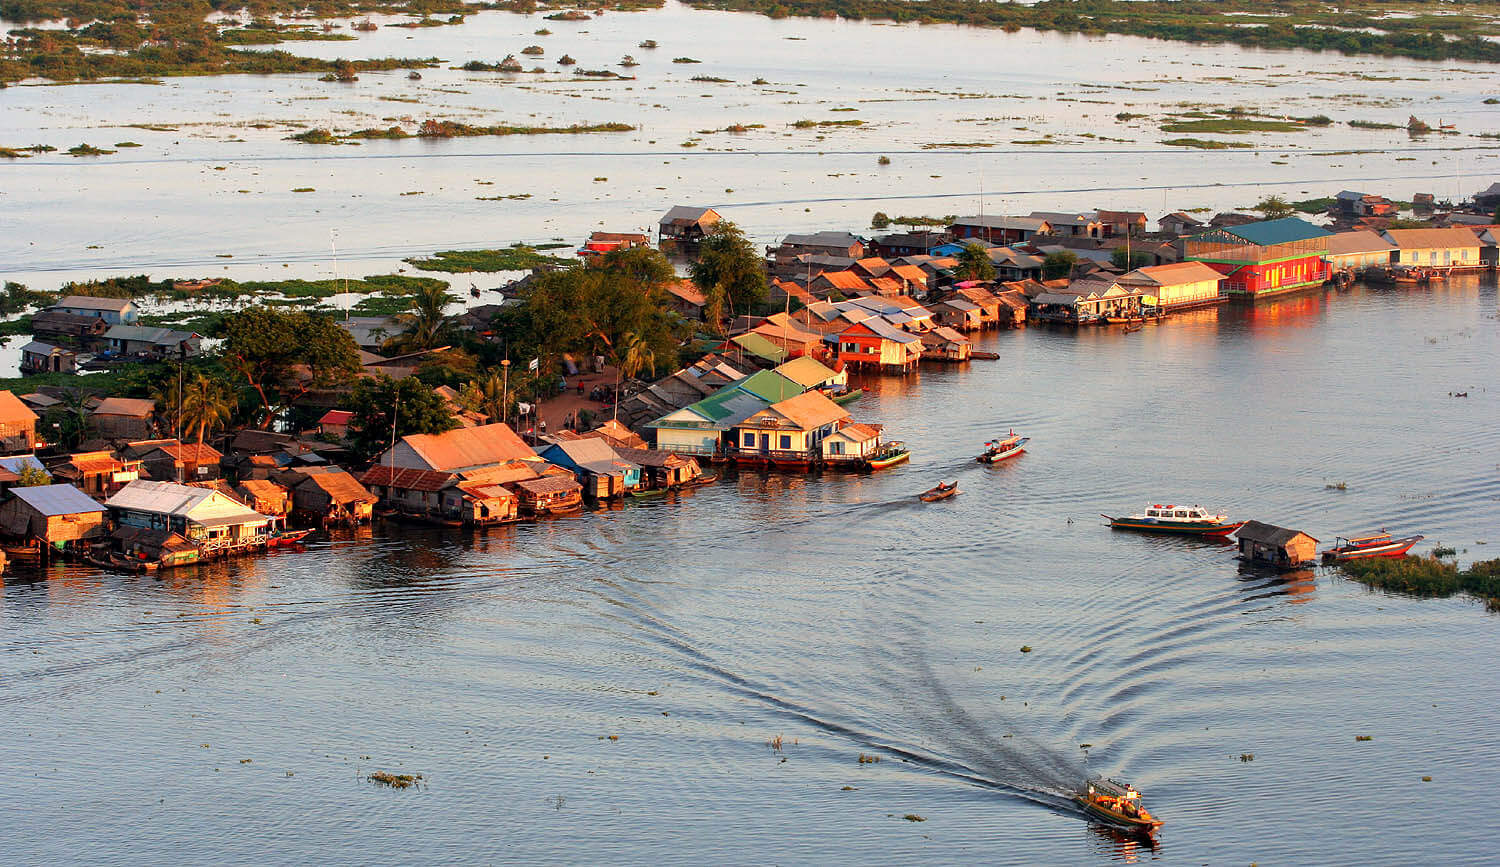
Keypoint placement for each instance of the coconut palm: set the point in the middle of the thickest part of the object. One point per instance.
(486, 396)
(425, 323)
(637, 356)
(207, 404)
(974, 263)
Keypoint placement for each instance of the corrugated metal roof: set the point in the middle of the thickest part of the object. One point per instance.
(134, 407)
(16, 463)
(12, 409)
(768, 385)
(89, 302)
(806, 371)
(148, 334)
(550, 485)
(1421, 239)
(756, 344)
(1268, 534)
(202, 505)
(463, 448)
(52, 500)
(810, 410)
(1283, 231)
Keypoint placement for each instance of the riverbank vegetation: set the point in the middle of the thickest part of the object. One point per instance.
(1420, 29)
(514, 258)
(432, 128)
(161, 38)
(1428, 576)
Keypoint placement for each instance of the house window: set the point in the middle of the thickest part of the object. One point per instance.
(749, 439)
(836, 447)
(786, 443)
(851, 347)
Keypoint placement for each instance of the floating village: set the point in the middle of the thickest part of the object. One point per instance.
(769, 391)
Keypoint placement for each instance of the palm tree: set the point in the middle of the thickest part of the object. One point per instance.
(638, 356)
(487, 396)
(425, 322)
(168, 400)
(206, 405)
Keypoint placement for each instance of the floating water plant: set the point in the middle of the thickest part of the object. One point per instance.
(913, 817)
(394, 781)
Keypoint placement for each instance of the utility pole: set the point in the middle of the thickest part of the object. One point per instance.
(505, 400)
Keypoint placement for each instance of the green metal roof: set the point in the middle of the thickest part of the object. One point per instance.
(767, 385)
(1282, 231)
(757, 345)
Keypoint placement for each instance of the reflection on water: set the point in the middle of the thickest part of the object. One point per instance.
(843, 614)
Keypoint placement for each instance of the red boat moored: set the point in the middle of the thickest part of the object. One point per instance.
(1374, 545)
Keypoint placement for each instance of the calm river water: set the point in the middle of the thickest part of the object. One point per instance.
(604, 688)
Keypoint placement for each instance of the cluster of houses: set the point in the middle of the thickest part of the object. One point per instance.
(133, 500)
(82, 330)
(1114, 270)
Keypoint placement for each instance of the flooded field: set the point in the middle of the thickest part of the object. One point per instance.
(614, 686)
(971, 120)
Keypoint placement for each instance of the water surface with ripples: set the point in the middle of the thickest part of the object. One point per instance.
(606, 687)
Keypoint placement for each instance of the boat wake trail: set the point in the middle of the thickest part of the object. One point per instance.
(967, 750)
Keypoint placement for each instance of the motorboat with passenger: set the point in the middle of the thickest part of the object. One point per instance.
(1117, 804)
(1003, 448)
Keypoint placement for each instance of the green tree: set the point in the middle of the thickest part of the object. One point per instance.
(1495, 217)
(974, 263)
(283, 355)
(32, 476)
(1134, 259)
(376, 402)
(730, 273)
(881, 219)
(72, 417)
(207, 404)
(1273, 208)
(424, 324)
(589, 309)
(1058, 265)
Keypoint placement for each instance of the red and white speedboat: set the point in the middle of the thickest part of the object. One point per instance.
(1374, 545)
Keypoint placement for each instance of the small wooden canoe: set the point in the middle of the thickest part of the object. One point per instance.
(942, 492)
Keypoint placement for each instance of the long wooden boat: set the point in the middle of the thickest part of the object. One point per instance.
(1005, 448)
(889, 455)
(1177, 520)
(1373, 545)
(1117, 804)
(942, 492)
(700, 480)
(643, 493)
(287, 538)
(849, 396)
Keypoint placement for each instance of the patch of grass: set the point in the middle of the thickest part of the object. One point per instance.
(1372, 124)
(680, 59)
(1315, 206)
(127, 144)
(957, 144)
(712, 79)
(1232, 126)
(1428, 576)
(314, 136)
(1205, 144)
(818, 124)
(304, 189)
(512, 196)
(913, 817)
(517, 258)
(87, 150)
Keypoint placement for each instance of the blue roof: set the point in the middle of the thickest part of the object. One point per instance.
(16, 463)
(1282, 231)
(52, 500)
